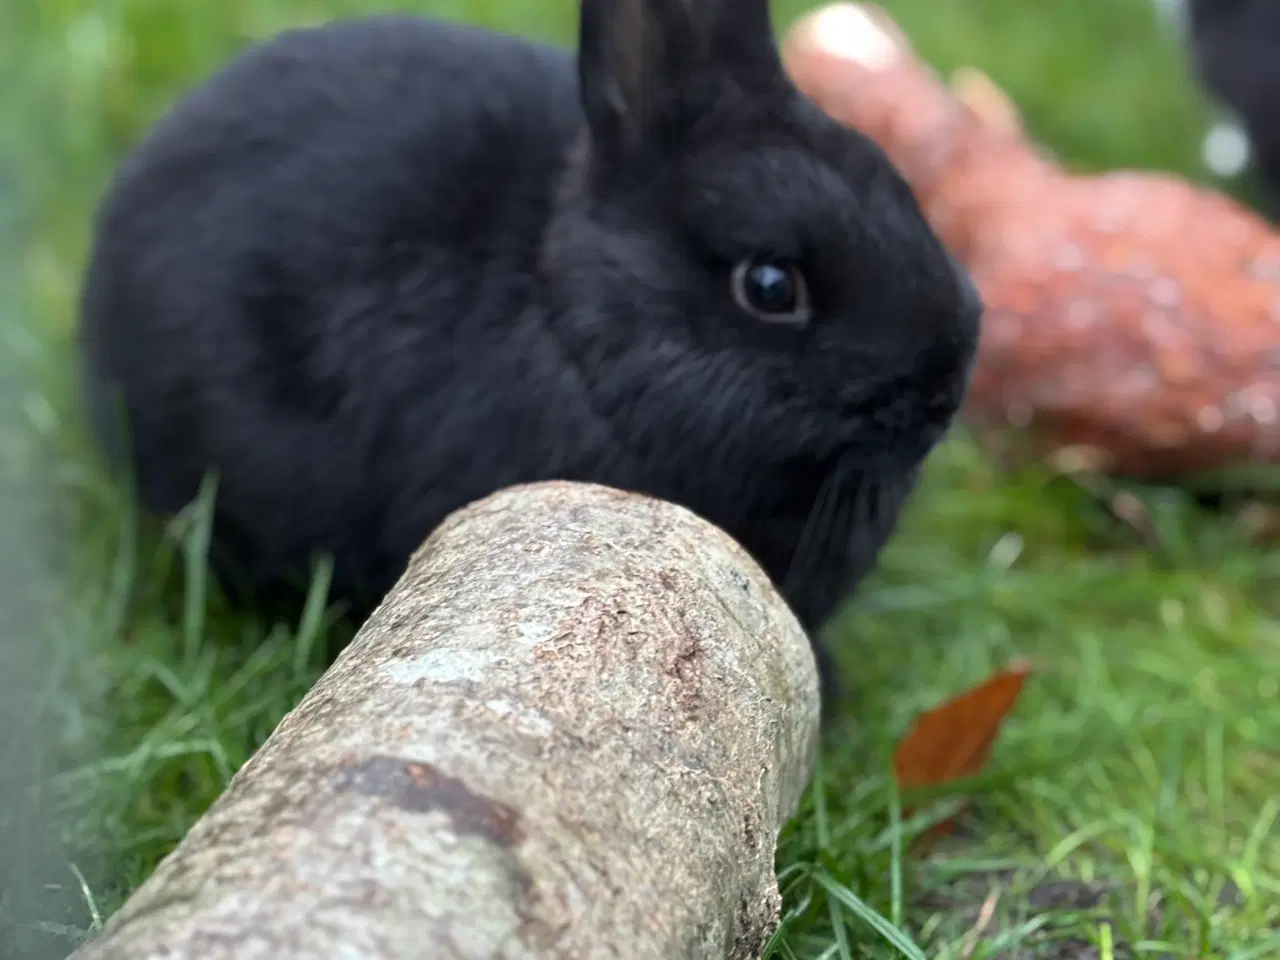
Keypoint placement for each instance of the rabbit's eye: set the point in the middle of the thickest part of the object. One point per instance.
(772, 290)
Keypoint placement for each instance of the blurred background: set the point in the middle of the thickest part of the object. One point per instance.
(128, 694)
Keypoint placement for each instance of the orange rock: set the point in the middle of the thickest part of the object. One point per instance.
(1130, 313)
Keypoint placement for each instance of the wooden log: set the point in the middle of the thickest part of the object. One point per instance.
(572, 730)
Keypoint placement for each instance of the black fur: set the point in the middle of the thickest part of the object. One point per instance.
(376, 270)
(1236, 49)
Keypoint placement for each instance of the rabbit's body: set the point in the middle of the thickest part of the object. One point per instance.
(376, 270)
(324, 306)
(1234, 45)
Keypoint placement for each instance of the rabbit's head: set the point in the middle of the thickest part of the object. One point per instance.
(744, 278)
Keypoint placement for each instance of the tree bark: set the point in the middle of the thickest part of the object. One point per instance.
(573, 730)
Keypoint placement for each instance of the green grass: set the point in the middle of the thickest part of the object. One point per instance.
(1131, 805)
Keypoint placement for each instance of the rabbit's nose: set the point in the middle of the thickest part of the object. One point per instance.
(971, 303)
(968, 298)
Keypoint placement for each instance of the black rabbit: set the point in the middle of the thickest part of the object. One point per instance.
(1236, 49)
(375, 270)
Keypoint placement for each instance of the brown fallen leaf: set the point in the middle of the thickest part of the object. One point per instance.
(953, 741)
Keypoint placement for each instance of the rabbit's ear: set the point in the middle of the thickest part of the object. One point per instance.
(642, 63)
(740, 36)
